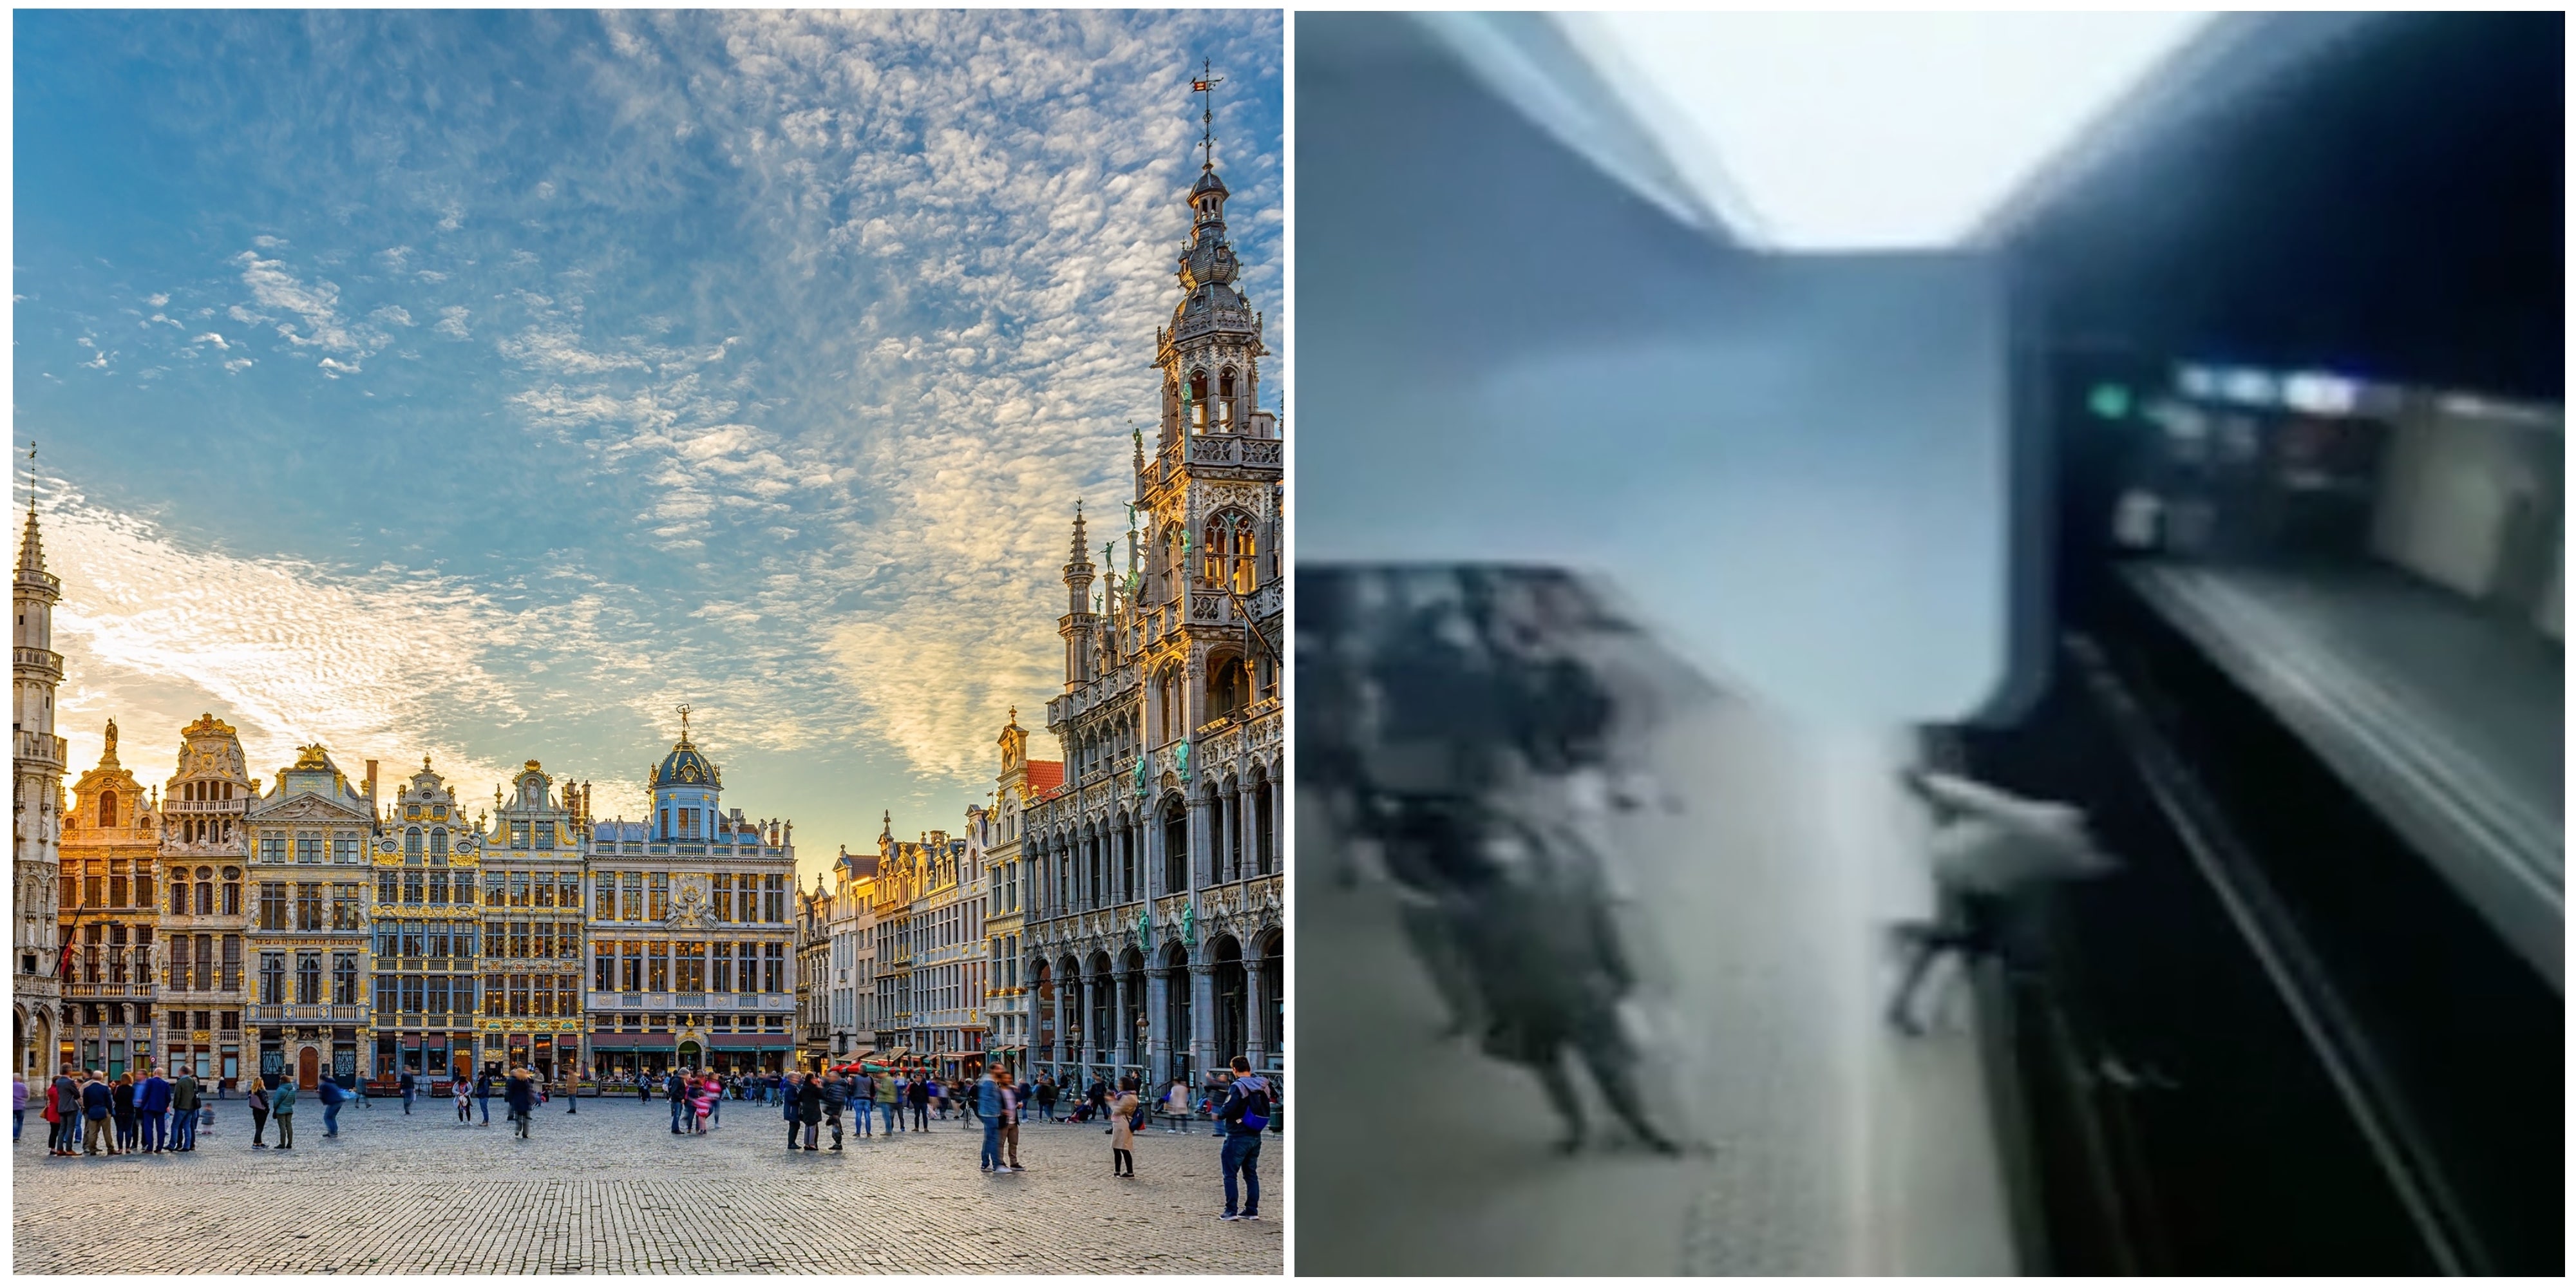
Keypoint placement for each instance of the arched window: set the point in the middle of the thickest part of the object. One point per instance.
(411, 845)
(438, 845)
(1198, 401)
(107, 809)
(1176, 848)
(1229, 688)
(1225, 397)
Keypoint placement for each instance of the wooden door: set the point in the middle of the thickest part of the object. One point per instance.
(308, 1069)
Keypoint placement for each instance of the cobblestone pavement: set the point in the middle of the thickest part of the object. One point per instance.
(611, 1190)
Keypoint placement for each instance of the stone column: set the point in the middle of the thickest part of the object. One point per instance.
(1204, 1057)
(1252, 1010)
(1202, 856)
(1126, 1052)
(1090, 1030)
(1158, 1026)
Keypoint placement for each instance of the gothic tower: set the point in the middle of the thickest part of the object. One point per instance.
(37, 838)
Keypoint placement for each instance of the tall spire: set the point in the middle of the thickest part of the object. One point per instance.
(31, 551)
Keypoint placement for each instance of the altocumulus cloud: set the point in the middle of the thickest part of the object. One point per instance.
(750, 358)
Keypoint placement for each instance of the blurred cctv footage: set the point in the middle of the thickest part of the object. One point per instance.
(1932, 644)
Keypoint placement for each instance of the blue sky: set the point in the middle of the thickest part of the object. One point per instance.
(484, 385)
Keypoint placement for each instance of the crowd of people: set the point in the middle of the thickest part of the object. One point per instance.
(88, 1112)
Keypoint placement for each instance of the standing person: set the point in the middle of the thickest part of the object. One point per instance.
(407, 1084)
(465, 1099)
(54, 1120)
(1049, 1092)
(706, 1093)
(787, 1109)
(1097, 1095)
(1176, 1103)
(715, 1102)
(17, 1106)
(483, 1094)
(572, 1093)
(152, 1109)
(123, 1106)
(96, 1103)
(1122, 1130)
(183, 1112)
(920, 1097)
(258, 1110)
(522, 1095)
(359, 1093)
(864, 1090)
(281, 1107)
(1246, 1114)
(989, 1107)
(643, 1088)
(938, 1098)
(1013, 1106)
(836, 1097)
(890, 1099)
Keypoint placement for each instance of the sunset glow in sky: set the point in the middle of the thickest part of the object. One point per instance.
(484, 385)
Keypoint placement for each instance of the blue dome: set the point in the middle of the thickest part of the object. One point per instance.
(684, 767)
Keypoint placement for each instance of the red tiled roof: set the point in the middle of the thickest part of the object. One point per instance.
(1045, 776)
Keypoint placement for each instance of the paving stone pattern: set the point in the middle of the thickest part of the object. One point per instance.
(611, 1190)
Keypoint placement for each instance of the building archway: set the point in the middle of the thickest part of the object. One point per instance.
(308, 1068)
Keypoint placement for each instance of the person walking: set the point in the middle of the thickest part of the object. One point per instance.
(919, 1095)
(281, 1108)
(706, 1093)
(889, 1100)
(572, 1093)
(465, 1099)
(864, 1088)
(522, 1096)
(836, 1100)
(1176, 1105)
(1246, 1115)
(184, 1108)
(332, 1095)
(938, 1098)
(407, 1084)
(152, 1110)
(55, 1119)
(675, 1089)
(715, 1101)
(989, 1107)
(17, 1106)
(643, 1089)
(1047, 1096)
(1122, 1129)
(809, 1109)
(258, 1110)
(483, 1094)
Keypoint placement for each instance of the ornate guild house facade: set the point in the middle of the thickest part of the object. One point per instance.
(1153, 938)
(109, 857)
(425, 934)
(307, 844)
(691, 930)
(204, 915)
(533, 925)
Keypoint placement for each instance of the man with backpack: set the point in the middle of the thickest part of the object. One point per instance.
(1245, 1116)
(332, 1097)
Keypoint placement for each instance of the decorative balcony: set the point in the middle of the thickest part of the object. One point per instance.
(43, 661)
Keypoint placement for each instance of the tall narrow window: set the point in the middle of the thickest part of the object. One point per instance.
(632, 973)
(631, 906)
(657, 967)
(773, 977)
(438, 845)
(603, 968)
(107, 809)
(411, 845)
(724, 897)
(344, 979)
(308, 978)
(658, 890)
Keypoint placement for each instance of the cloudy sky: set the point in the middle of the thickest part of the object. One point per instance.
(486, 385)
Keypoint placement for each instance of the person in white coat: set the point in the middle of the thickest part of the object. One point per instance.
(1987, 847)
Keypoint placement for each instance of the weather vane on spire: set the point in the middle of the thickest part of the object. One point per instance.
(1205, 87)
